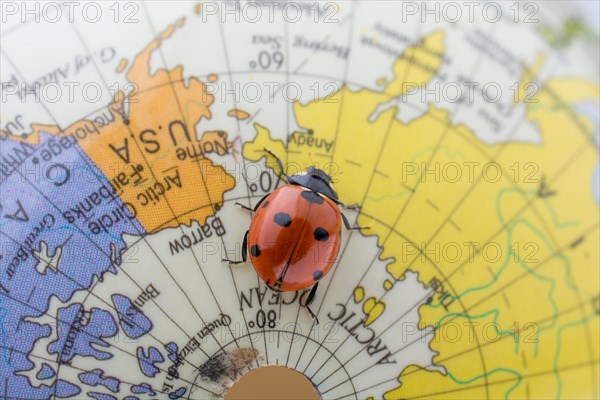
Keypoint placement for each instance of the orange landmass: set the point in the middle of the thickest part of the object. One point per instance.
(122, 65)
(147, 145)
(239, 114)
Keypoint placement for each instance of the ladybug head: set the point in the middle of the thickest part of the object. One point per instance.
(315, 179)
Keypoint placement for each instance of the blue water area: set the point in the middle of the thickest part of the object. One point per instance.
(143, 388)
(177, 394)
(96, 377)
(53, 195)
(147, 361)
(81, 333)
(46, 372)
(591, 110)
(133, 322)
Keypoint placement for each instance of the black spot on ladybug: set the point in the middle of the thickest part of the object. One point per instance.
(321, 234)
(312, 197)
(282, 219)
(255, 250)
(317, 275)
(265, 204)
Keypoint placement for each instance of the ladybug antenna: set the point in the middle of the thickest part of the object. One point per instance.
(310, 156)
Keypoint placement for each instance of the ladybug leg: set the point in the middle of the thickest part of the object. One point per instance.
(237, 203)
(349, 227)
(245, 246)
(309, 300)
(279, 163)
(244, 252)
(243, 206)
(355, 207)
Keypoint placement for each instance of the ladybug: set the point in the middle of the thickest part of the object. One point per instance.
(295, 233)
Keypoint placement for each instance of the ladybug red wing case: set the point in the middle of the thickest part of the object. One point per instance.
(294, 238)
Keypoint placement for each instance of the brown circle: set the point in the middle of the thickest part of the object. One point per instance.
(273, 382)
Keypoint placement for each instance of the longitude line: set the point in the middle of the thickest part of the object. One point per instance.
(154, 33)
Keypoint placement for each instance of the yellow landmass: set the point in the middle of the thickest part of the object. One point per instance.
(418, 64)
(152, 153)
(515, 319)
(388, 284)
(381, 81)
(527, 86)
(359, 294)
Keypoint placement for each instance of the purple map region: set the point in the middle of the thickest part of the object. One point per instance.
(173, 350)
(178, 393)
(147, 361)
(133, 322)
(65, 389)
(78, 330)
(143, 388)
(96, 377)
(101, 396)
(46, 372)
(57, 214)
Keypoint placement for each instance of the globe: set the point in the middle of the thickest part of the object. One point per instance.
(461, 136)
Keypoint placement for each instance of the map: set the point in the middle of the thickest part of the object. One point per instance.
(465, 136)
